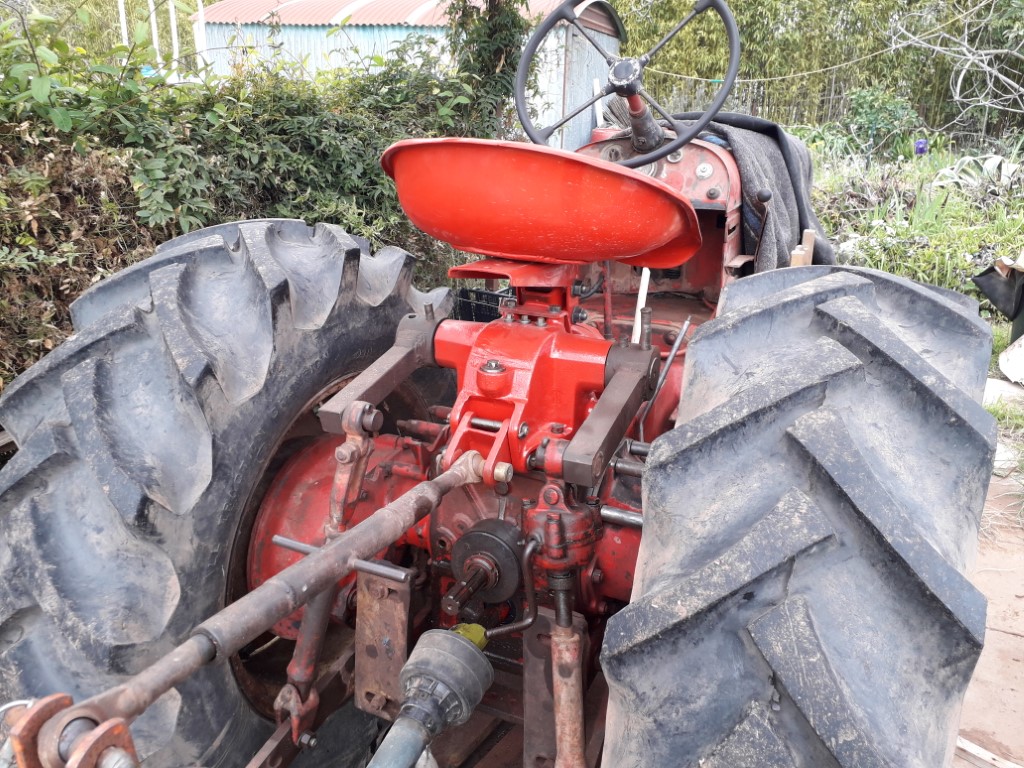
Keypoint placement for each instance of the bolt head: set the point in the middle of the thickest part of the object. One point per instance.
(307, 741)
(345, 453)
(551, 496)
(492, 366)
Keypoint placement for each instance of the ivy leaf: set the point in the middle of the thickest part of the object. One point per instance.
(41, 88)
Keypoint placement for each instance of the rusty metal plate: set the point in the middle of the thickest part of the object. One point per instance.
(382, 643)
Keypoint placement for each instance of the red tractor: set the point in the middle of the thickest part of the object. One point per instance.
(649, 498)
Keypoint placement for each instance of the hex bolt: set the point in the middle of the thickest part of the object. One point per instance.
(503, 472)
(307, 741)
(551, 496)
(597, 576)
(579, 315)
(345, 453)
(492, 366)
(524, 430)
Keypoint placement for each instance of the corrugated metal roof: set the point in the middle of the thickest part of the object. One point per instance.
(420, 13)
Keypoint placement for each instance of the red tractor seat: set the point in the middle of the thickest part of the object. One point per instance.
(533, 203)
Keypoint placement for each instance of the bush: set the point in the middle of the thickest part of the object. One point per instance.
(103, 158)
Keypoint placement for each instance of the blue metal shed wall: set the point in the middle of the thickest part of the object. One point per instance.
(566, 79)
(227, 44)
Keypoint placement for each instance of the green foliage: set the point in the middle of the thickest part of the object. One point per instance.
(1000, 341)
(878, 118)
(895, 217)
(487, 40)
(100, 158)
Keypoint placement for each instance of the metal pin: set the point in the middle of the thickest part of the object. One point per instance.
(372, 567)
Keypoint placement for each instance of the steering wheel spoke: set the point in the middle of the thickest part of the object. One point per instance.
(647, 57)
(673, 124)
(608, 58)
(547, 132)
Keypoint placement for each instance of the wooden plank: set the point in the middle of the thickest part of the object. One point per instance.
(971, 753)
(808, 243)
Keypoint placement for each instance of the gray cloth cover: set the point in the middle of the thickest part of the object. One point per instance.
(762, 165)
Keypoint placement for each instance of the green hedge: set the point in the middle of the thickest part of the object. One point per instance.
(101, 159)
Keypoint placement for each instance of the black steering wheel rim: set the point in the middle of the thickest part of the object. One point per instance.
(566, 11)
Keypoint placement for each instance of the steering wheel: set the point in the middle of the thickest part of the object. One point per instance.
(625, 78)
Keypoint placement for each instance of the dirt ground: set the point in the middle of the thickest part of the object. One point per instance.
(993, 713)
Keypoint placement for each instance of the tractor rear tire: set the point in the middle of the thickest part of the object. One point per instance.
(800, 597)
(143, 442)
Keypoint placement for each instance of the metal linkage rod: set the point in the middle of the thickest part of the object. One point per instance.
(228, 631)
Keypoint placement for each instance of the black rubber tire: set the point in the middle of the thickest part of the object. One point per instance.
(800, 597)
(142, 439)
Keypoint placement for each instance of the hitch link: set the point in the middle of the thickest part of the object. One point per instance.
(37, 737)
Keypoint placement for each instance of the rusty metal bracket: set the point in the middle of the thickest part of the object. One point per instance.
(382, 642)
(25, 733)
(413, 349)
(358, 422)
(333, 689)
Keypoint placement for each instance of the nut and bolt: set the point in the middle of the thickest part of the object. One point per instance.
(704, 171)
(579, 315)
(524, 430)
(346, 453)
(492, 366)
(307, 741)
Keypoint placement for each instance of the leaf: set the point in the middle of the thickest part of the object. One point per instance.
(60, 118)
(41, 88)
(22, 71)
(47, 55)
(141, 33)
